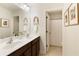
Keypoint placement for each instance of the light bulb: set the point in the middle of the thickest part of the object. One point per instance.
(25, 7)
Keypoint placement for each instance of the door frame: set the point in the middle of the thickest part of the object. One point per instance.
(14, 25)
(47, 33)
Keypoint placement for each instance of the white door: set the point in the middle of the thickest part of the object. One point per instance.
(47, 33)
(56, 32)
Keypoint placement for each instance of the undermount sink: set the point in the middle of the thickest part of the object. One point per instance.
(14, 41)
(12, 45)
(9, 45)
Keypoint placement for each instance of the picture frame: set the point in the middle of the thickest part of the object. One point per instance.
(36, 24)
(36, 20)
(3, 22)
(66, 18)
(73, 14)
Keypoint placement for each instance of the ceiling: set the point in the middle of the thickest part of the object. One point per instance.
(10, 6)
(55, 12)
(16, 6)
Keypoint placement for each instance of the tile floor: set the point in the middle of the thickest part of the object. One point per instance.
(54, 51)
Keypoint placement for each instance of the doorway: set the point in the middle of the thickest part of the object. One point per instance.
(16, 25)
(53, 29)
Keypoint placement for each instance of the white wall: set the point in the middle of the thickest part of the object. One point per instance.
(70, 38)
(6, 14)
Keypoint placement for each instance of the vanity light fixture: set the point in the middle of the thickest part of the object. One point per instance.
(25, 7)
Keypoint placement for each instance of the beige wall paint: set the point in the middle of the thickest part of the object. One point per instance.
(6, 14)
(70, 38)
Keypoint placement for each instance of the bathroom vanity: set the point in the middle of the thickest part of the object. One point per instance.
(30, 49)
(21, 47)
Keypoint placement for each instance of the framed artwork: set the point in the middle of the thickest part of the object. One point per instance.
(73, 14)
(66, 18)
(3, 22)
(36, 20)
(36, 24)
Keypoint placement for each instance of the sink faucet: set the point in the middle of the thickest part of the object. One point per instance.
(10, 41)
(27, 35)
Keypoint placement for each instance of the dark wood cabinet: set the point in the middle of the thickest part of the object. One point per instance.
(38, 47)
(30, 49)
(35, 47)
(34, 50)
(27, 52)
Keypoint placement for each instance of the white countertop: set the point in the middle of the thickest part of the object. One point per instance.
(6, 49)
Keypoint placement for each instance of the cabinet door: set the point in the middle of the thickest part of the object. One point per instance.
(34, 49)
(20, 52)
(27, 52)
(38, 47)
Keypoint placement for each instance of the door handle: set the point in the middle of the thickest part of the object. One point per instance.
(46, 31)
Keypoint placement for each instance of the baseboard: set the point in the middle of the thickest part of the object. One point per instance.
(42, 53)
(55, 46)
